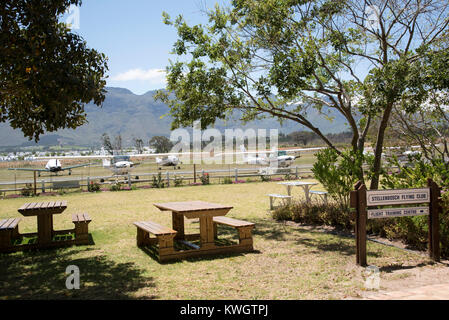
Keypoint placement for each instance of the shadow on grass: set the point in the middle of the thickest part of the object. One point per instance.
(392, 268)
(41, 275)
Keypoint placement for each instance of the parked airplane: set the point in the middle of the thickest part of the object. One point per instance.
(276, 158)
(168, 161)
(119, 164)
(54, 166)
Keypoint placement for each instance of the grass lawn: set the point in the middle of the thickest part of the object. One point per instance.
(290, 262)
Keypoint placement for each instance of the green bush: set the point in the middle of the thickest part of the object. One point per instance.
(93, 187)
(414, 174)
(158, 182)
(205, 179)
(316, 213)
(227, 180)
(27, 191)
(178, 181)
(338, 174)
(116, 187)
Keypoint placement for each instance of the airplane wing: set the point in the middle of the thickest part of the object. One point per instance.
(29, 169)
(77, 166)
(271, 151)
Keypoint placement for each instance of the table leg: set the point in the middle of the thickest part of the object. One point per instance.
(207, 232)
(178, 225)
(289, 190)
(44, 228)
(306, 192)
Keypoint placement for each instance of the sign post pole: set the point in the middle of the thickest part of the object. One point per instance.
(434, 227)
(361, 224)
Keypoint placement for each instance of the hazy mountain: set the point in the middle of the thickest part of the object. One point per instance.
(139, 116)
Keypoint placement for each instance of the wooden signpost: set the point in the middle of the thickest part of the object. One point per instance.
(370, 205)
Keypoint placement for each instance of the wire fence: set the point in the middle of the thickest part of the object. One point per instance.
(170, 178)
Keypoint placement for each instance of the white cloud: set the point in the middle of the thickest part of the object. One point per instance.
(155, 76)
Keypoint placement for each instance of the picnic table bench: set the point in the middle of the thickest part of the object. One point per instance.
(244, 229)
(9, 230)
(322, 194)
(164, 236)
(81, 221)
(283, 197)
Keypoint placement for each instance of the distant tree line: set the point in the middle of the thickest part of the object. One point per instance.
(308, 138)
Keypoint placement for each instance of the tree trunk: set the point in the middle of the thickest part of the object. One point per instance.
(379, 146)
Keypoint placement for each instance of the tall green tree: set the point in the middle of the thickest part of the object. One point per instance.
(279, 58)
(47, 72)
(161, 144)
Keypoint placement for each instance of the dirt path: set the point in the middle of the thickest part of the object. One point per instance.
(428, 280)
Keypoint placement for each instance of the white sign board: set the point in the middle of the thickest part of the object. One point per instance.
(399, 196)
(397, 212)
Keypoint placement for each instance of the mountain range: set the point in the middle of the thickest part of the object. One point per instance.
(140, 116)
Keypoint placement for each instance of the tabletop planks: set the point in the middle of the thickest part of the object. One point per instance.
(190, 206)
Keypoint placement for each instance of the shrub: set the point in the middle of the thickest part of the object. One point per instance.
(178, 181)
(338, 174)
(27, 191)
(205, 179)
(227, 180)
(316, 213)
(158, 182)
(414, 230)
(265, 177)
(116, 187)
(93, 187)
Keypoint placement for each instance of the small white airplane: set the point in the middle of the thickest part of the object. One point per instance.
(54, 166)
(120, 165)
(276, 158)
(168, 161)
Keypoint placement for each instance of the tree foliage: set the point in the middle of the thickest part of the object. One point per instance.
(47, 72)
(161, 144)
(279, 58)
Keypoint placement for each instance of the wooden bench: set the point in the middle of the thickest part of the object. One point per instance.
(244, 229)
(69, 184)
(9, 230)
(322, 194)
(81, 221)
(164, 237)
(278, 196)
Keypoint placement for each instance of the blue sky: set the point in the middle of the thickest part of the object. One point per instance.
(134, 38)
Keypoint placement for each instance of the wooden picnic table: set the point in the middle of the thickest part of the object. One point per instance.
(205, 211)
(44, 212)
(304, 184)
(210, 215)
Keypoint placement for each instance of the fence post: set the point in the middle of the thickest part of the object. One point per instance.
(194, 173)
(129, 180)
(296, 172)
(236, 174)
(88, 182)
(43, 186)
(168, 178)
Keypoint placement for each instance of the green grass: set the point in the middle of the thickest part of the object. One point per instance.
(288, 262)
